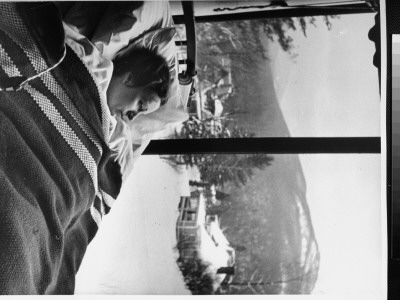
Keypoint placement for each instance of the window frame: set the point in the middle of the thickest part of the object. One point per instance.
(271, 145)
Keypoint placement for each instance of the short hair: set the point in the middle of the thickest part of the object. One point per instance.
(148, 70)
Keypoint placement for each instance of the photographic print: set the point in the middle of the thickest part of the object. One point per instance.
(192, 148)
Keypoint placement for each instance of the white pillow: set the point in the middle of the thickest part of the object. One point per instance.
(145, 127)
(160, 41)
(125, 21)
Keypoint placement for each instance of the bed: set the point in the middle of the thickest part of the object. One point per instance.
(58, 178)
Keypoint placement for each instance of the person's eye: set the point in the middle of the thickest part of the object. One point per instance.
(141, 107)
(130, 115)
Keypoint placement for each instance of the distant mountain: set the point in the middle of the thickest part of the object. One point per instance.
(269, 219)
(254, 102)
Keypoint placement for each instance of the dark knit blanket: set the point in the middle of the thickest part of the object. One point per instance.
(56, 176)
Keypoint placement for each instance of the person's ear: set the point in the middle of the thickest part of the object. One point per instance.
(155, 78)
(128, 79)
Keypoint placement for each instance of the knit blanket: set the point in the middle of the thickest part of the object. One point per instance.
(56, 176)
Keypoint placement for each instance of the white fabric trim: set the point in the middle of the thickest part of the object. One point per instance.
(26, 42)
(108, 200)
(99, 68)
(56, 119)
(7, 64)
(66, 132)
(95, 215)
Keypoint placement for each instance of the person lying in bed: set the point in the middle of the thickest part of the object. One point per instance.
(136, 82)
(139, 85)
(115, 26)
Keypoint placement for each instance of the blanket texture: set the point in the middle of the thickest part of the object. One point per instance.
(56, 176)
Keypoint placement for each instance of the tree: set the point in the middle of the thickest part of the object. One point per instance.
(218, 169)
(238, 168)
(279, 29)
(196, 277)
(241, 40)
(237, 36)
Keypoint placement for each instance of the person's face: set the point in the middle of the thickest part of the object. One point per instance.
(127, 102)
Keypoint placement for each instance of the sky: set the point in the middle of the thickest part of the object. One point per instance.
(331, 79)
(331, 89)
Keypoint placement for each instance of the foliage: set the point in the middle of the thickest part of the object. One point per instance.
(267, 221)
(220, 168)
(238, 168)
(279, 29)
(242, 35)
(241, 40)
(195, 275)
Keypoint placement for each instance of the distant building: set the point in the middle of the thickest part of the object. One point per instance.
(200, 235)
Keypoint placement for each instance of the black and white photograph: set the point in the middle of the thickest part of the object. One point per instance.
(193, 148)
